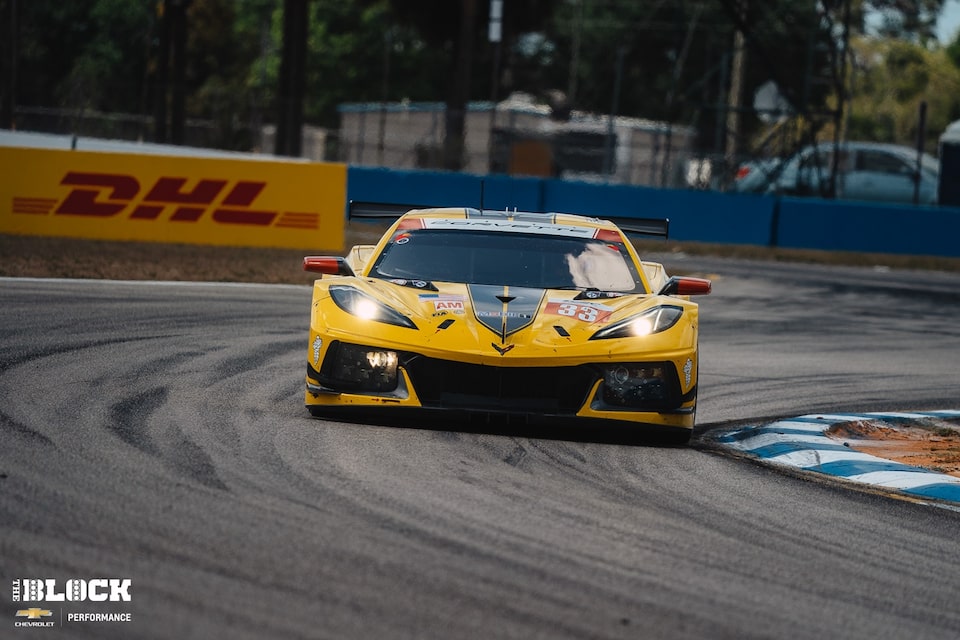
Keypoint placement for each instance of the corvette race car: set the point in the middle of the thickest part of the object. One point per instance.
(539, 316)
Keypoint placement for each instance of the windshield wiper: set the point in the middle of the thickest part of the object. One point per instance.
(592, 293)
(589, 293)
(416, 283)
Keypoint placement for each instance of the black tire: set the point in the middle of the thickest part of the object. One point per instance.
(675, 437)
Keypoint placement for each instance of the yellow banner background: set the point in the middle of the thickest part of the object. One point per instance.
(121, 196)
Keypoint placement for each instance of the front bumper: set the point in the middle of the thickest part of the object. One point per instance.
(659, 392)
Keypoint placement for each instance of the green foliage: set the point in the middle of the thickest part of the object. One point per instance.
(83, 53)
(677, 58)
(953, 51)
(913, 20)
(890, 80)
(222, 48)
(103, 54)
(356, 52)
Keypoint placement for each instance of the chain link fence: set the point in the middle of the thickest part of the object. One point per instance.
(519, 138)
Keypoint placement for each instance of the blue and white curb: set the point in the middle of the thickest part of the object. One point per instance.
(801, 443)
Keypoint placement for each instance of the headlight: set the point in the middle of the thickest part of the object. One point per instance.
(353, 367)
(634, 385)
(649, 322)
(358, 303)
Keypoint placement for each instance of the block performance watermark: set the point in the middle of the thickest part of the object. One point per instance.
(76, 591)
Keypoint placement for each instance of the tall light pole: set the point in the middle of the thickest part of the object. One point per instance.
(575, 55)
(8, 93)
(495, 36)
(735, 97)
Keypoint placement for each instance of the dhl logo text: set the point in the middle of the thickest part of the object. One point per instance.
(107, 195)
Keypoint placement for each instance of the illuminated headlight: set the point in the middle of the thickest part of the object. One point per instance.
(647, 323)
(351, 367)
(358, 303)
(634, 385)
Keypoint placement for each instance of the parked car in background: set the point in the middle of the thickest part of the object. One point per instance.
(756, 176)
(865, 171)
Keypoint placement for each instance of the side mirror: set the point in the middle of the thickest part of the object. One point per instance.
(328, 265)
(684, 286)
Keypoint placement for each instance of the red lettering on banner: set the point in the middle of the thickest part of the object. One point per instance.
(295, 220)
(243, 194)
(146, 212)
(187, 214)
(171, 190)
(83, 202)
(107, 194)
(244, 216)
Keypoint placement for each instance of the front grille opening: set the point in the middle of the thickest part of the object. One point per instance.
(448, 384)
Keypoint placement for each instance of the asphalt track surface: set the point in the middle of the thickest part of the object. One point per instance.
(156, 432)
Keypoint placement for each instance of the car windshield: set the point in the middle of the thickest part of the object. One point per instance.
(512, 259)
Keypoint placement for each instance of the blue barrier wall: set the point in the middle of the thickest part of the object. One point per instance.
(700, 216)
(422, 188)
(697, 216)
(869, 227)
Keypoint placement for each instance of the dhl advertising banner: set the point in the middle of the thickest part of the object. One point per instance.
(221, 201)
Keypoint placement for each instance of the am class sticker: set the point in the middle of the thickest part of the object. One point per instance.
(451, 303)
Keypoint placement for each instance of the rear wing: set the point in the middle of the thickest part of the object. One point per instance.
(362, 210)
(656, 227)
(379, 210)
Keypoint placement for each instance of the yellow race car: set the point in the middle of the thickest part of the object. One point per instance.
(541, 316)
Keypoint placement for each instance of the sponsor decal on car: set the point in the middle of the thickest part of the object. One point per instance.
(511, 226)
(450, 303)
(584, 311)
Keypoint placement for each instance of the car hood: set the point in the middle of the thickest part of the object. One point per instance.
(471, 317)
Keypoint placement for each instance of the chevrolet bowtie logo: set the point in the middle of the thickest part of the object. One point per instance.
(501, 350)
(34, 614)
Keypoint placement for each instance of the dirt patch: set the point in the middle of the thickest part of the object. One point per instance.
(930, 444)
(42, 257)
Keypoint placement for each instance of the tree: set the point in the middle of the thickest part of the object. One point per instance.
(677, 58)
(357, 52)
(914, 20)
(953, 51)
(82, 54)
(292, 78)
(224, 46)
(458, 28)
(891, 79)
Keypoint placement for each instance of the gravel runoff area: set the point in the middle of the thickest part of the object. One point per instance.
(43, 257)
